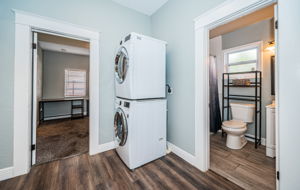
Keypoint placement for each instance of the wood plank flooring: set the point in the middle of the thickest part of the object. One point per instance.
(249, 168)
(106, 171)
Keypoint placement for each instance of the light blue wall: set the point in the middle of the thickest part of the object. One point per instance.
(174, 24)
(112, 20)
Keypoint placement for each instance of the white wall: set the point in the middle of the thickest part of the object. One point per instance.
(289, 93)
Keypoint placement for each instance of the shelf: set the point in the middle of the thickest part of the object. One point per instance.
(238, 73)
(242, 86)
(255, 97)
(242, 99)
(77, 106)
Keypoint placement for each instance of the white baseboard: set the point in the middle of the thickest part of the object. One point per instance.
(62, 117)
(57, 117)
(182, 154)
(263, 140)
(6, 173)
(103, 148)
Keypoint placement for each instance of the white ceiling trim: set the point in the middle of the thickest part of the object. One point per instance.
(147, 7)
(63, 48)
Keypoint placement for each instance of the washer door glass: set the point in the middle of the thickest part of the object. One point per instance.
(121, 65)
(120, 125)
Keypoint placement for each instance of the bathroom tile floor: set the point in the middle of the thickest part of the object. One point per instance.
(249, 167)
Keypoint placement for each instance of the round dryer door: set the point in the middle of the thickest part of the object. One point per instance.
(121, 128)
(121, 65)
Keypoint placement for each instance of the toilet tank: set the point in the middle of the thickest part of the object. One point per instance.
(242, 112)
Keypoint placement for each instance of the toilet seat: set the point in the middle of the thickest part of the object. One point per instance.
(234, 124)
(235, 130)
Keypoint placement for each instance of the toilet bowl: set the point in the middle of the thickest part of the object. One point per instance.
(235, 131)
(237, 127)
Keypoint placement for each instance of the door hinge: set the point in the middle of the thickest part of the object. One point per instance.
(32, 147)
(277, 175)
(276, 24)
(33, 45)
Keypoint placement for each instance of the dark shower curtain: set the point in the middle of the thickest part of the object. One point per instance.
(214, 105)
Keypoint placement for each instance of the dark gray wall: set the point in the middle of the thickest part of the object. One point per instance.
(54, 65)
(262, 31)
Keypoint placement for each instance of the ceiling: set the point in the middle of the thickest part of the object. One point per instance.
(257, 16)
(62, 40)
(147, 7)
(62, 44)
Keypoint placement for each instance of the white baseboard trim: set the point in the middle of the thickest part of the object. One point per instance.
(62, 117)
(103, 148)
(182, 154)
(6, 173)
(263, 140)
(57, 117)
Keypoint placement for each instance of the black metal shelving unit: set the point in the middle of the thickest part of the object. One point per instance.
(77, 105)
(256, 98)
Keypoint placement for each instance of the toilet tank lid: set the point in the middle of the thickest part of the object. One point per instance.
(234, 124)
(242, 105)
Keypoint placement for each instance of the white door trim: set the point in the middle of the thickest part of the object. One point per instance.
(224, 13)
(25, 23)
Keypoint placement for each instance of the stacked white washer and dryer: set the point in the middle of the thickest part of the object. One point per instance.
(140, 105)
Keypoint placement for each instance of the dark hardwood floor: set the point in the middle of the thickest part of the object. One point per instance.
(250, 168)
(106, 171)
(59, 139)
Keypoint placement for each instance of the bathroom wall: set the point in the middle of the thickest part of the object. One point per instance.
(54, 65)
(112, 20)
(261, 31)
(174, 23)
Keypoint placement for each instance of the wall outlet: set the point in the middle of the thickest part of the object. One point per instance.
(169, 89)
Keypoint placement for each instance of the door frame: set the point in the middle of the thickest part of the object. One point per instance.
(25, 23)
(224, 13)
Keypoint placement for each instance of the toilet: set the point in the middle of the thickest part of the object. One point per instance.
(242, 114)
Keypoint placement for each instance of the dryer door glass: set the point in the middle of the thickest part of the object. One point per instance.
(120, 125)
(121, 65)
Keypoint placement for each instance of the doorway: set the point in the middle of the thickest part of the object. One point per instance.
(25, 24)
(226, 12)
(60, 97)
(242, 104)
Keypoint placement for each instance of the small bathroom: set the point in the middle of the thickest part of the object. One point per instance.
(242, 100)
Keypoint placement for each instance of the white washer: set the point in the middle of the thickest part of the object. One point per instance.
(140, 130)
(140, 68)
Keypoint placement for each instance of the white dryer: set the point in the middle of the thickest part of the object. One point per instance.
(140, 68)
(140, 130)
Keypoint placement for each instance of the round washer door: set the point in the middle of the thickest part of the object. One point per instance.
(121, 65)
(121, 128)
